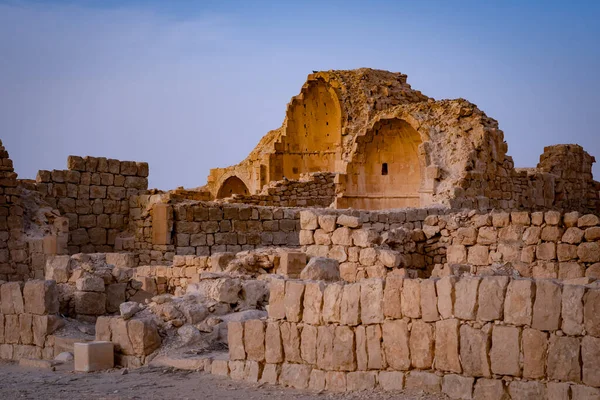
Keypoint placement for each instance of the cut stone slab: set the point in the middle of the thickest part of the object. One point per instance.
(94, 356)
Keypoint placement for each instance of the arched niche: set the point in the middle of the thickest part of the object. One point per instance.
(386, 171)
(232, 185)
(312, 141)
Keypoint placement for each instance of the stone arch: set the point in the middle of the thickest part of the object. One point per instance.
(232, 185)
(313, 134)
(387, 170)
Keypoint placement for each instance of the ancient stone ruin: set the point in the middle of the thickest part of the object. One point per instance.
(379, 239)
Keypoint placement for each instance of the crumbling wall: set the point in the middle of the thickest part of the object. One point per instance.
(28, 317)
(163, 230)
(13, 249)
(94, 194)
(311, 190)
(470, 337)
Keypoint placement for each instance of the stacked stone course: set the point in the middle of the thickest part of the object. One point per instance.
(94, 194)
(311, 190)
(490, 337)
(28, 317)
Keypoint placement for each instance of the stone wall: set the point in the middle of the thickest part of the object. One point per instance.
(483, 338)
(434, 241)
(94, 193)
(163, 230)
(28, 317)
(13, 249)
(311, 190)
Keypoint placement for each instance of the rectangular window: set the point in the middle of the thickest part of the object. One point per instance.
(384, 169)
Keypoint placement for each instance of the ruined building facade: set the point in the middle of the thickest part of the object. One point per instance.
(389, 146)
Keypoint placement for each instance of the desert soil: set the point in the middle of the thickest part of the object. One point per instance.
(146, 383)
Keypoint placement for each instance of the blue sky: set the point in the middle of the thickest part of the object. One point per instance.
(191, 85)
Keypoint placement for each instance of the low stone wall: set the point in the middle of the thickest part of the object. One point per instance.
(483, 338)
(94, 194)
(174, 279)
(311, 190)
(28, 317)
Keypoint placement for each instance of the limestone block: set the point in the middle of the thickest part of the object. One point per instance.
(276, 306)
(361, 380)
(313, 302)
(90, 303)
(465, 304)
(144, 337)
(570, 270)
(410, 298)
(491, 298)
(458, 387)
(591, 311)
(94, 356)
(590, 355)
(343, 349)
(474, 349)
(428, 382)
(235, 340)
(391, 380)
(573, 236)
(500, 219)
(325, 336)
(531, 390)
(219, 261)
(446, 346)
(25, 328)
(589, 252)
(456, 254)
(236, 370)
(335, 381)
(547, 306)
(588, 220)
(375, 354)
(478, 255)
(350, 305)
(504, 354)
(40, 297)
(342, 236)
(371, 301)
(293, 300)
(254, 340)
(429, 311)
(295, 375)
(306, 238)
(115, 296)
(396, 345)
(317, 380)
(91, 283)
(368, 256)
(364, 237)
(391, 258)
(532, 235)
(308, 344)
(291, 263)
(348, 271)
(592, 234)
(321, 269)
(327, 222)
(12, 298)
(518, 305)
(321, 237)
(489, 389)
(362, 359)
(563, 359)
(392, 307)
(581, 392)
(273, 344)
(546, 251)
(219, 367)
(446, 296)
(349, 221)
(572, 309)
(290, 337)
(332, 301)
(535, 346)
(421, 345)
(558, 390)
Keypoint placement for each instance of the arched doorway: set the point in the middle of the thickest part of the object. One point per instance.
(386, 171)
(232, 185)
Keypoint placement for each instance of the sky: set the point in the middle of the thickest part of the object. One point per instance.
(193, 85)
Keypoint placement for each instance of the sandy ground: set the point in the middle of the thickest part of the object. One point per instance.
(154, 383)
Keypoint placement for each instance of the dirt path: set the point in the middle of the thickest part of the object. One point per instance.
(154, 383)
